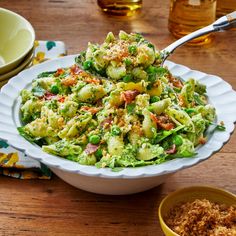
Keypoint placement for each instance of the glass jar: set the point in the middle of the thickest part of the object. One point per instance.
(120, 7)
(225, 7)
(187, 16)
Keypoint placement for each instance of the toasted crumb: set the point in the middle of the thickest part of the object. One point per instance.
(202, 217)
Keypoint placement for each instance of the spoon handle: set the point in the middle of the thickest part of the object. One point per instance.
(222, 24)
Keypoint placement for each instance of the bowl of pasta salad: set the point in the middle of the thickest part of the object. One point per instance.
(112, 120)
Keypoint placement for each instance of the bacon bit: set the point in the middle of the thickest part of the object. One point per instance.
(172, 150)
(167, 126)
(124, 54)
(153, 117)
(176, 82)
(92, 80)
(93, 110)
(60, 71)
(69, 81)
(202, 140)
(129, 95)
(48, 96)
(99, 102)
(106, 123)
(61, 99)
(75, 70)
(91, 148)
(162, 121)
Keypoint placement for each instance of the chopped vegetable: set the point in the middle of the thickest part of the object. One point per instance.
(117, 107)
(127, 78)
(46, 74)
(87, 65)
(115, 130)
(132, 49)
(94, 139)
(54, 89)
(154, 99)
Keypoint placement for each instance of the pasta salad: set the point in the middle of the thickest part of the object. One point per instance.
(116, 107)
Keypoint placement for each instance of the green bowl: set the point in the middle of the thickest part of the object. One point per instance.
(16, 39)
(25, 62)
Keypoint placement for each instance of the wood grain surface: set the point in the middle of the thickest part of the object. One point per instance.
(41, 207)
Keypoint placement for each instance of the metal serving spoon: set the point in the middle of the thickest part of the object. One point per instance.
(222, 24)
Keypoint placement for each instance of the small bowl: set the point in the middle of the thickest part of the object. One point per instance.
(16, 39)
(26, 61)
(190, 194)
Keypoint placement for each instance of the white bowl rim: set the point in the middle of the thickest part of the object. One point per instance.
(224, 99)
(31, 45)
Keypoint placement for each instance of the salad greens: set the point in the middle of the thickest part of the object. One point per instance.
(142, 115)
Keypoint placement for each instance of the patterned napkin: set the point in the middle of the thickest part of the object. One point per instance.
(14, 163)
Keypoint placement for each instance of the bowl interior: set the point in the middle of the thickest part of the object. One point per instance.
(16, 37)
(190, 194)
(23, 64)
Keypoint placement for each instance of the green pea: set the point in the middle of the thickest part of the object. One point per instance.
(87, 64)
(127, 62)
(54, 89)
(98, 153)
(177, 140)
(132, 49)
(154, 99)
(127, 78)
(115, 130)
(94, 139)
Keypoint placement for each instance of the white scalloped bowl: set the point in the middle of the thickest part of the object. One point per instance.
(104, 181)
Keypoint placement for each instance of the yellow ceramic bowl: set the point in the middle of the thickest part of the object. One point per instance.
(26, 61)
(16, 39)
(190, 194)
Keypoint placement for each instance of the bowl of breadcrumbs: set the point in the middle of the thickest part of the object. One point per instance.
(198, 211)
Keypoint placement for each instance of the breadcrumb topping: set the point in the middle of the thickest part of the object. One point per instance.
(202, 218)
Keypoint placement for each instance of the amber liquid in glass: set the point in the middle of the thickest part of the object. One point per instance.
(187, 16)
(225, 7)
(120, 7)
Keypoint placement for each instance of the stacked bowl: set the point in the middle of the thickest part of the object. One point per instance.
(16, 44)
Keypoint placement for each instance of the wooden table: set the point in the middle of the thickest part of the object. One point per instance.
(34, 207)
